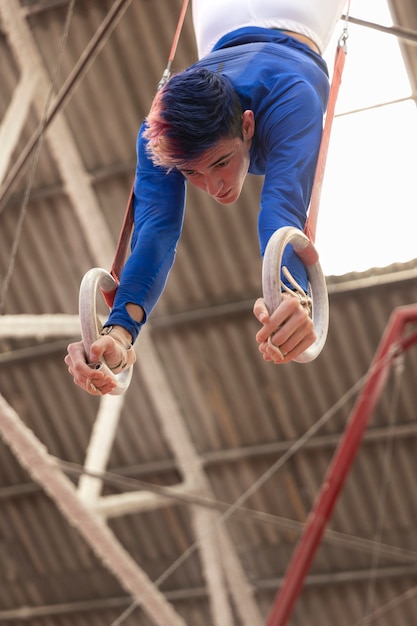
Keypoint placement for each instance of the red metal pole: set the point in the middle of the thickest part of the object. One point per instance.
(392, 344)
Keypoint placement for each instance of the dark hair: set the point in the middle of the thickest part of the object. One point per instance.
(189, 114)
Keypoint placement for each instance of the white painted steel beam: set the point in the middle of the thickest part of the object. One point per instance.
(48, 325)
(99, 448)
(34, 457)
(216, 562)
(79, 189)
(14, 119)
(72, 171)
(137, 501)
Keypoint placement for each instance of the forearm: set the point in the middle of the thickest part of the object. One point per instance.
(159, 200)
(290, 169)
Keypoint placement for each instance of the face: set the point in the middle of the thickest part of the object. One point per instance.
(222, 169)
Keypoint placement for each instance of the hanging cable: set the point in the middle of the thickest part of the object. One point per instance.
(37, 147)
(339, 64)
(128, 220)
(392, 344)
(167, 71)
(233, 508)
(381, 611)
(80, 69)
(126, 483)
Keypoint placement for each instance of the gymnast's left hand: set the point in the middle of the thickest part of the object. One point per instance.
(289, 329)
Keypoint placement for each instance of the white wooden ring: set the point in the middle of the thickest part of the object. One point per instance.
(94, 280)
(271, 282)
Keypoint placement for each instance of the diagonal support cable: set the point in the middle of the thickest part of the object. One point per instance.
(393, 342)
(80, 69)
(34, 457)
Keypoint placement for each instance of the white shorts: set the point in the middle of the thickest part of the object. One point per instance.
(316, 19)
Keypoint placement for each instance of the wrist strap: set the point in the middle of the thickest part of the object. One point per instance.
(117, 335)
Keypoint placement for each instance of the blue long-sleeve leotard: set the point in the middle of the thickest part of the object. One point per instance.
(286, 85)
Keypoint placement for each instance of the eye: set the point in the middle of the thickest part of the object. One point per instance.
(189, 173)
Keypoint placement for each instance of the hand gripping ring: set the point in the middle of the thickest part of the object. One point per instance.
(271, 282)
(93, 281)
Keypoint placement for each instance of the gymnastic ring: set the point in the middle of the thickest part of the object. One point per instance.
(271, 282)
(93, 281)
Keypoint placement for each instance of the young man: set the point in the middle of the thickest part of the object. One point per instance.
(254, 102)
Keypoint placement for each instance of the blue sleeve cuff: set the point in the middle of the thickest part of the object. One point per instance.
(119, 317)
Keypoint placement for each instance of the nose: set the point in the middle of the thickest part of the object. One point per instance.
(213, 184)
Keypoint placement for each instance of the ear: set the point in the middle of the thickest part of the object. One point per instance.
(248, 124)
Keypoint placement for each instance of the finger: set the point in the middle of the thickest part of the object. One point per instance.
(76, 360)
(103, 382)
(295, 345)
(101, 349)
(269, 354)
(295, 321)
(275, 352)
(260, 311)
(303, 337)
(76, 350)
(288, 308)
(107, 350)
(99, 386)
(91, 388)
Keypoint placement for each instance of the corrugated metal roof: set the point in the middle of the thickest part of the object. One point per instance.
(204, 414)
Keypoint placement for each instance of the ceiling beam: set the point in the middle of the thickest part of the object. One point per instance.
(39, 326)
(192, 593)
(76, 180)
(41, 466)
(15, 117)
(207, 529)
(79, 189)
